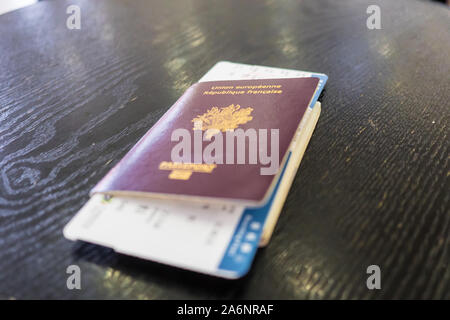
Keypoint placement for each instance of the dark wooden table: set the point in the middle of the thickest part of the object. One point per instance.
(373, 187)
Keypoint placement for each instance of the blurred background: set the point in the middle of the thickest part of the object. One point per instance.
(9, 5)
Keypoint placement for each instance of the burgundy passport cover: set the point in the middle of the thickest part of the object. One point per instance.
(147, 169)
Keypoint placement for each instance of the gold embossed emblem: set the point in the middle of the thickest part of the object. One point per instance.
(220, 119)
(223, 119)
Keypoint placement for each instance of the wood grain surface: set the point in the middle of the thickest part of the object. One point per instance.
(373, 187)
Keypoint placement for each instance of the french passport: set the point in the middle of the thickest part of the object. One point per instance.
(240, 167)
